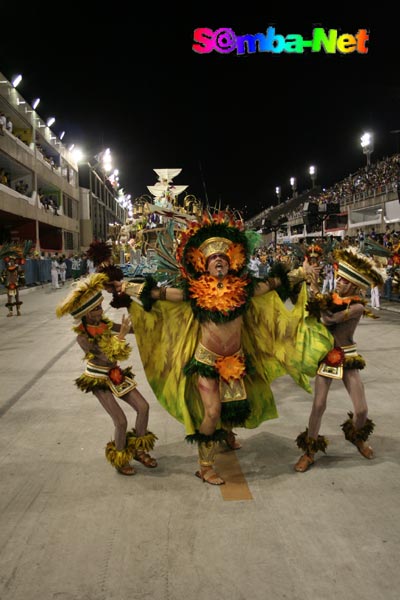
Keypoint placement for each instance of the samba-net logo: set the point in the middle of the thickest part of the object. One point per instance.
(225, 41)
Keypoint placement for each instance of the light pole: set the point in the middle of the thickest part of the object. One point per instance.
(313, 174)
(367, 145)
(293, 183)
(278, 193)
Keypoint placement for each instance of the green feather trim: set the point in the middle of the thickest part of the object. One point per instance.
(194, 366)
(145, 294)
(354, 435)
(118, 458)
(311, 445)
(139, 444)
(253, 239)
(235, 413)
(209, 371)
(354, 362)
(219, 435)
(90, 384)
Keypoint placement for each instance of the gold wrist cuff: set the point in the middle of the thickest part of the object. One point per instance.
(133, 289)
(296, 276)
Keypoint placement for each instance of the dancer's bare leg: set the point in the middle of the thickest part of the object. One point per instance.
(141, 406)
(112, 407)
(321, 389)
(356, 391)
(209, 392)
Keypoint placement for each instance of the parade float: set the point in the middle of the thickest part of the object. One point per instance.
(156, 219)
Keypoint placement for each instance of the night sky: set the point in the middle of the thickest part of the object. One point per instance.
(238, 126)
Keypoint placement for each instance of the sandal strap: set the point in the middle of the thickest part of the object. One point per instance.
(145, 459)
(210, 476)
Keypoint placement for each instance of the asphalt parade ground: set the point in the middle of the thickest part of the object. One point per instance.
(72, 528)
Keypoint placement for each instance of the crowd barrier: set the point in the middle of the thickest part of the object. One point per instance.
(38, 272)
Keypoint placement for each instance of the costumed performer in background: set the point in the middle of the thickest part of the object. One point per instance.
(13, 275)
(104, 378)
(211, 347)
(341, 312)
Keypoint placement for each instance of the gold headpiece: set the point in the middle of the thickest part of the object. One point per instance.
(356, 269)
(215, 245)
(84, 297)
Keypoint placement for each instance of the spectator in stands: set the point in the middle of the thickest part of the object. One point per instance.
(254, 265)
(90, 266)
(3, 123)
(328, 278)
(54, 205)
(9, 125)
(21, 187)
(388, 285)
(63, 270)
(76, 262)
(3, 177)
(361, 240)
(55, 270)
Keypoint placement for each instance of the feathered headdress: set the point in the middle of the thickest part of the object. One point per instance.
(356, 269)
(314, 251)
(99, 252)
(18, 253)
(220, 233)
(86, 295)
(396, 255)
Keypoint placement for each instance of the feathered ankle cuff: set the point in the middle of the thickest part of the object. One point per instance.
(311, 445)
(354, 435)
(142, 443)
(219, 435)
(118, 458)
